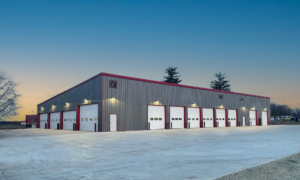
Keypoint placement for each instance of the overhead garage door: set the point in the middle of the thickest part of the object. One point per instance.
(232, 117)
(89, 117)
(220, 117)
(177, 117)
(264, 118)
(156, 117)
(194, 117)
(43, 120)
(208, 117)
(69, 120)
(252, 116)
(54, 120)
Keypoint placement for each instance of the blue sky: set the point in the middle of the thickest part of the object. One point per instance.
(50, 46)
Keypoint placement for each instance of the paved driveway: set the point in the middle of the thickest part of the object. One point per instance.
(160, 154)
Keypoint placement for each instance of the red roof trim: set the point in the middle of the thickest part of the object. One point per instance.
(151, 81)
(171, 84)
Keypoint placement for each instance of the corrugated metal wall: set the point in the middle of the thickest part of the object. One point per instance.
(90, 90)
(129, 101)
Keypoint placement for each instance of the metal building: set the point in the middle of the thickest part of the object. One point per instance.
(108, 102)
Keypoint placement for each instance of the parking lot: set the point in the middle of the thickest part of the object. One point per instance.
(156, 154)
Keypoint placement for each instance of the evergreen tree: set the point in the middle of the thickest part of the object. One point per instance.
(220, 83)
(173, 76)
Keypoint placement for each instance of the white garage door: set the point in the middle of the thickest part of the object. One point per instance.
(252, 116)
(69, 120)
(43, 120)
(264, 118)
(89, 117)
(232, 117)
(177, 117)
(208, 116)
(194, 117)
(156, 117)
(220, 117)
(54, 120)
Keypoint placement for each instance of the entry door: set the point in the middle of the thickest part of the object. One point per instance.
(43, 120)
(89, 117)
(208, 116)
(232, 117)
(194, 117)
(220, 117)
(156, 117)
(69, 120)
(252, 116)
(54, 119)
(177, 117)
(264, 118)
(113, 122)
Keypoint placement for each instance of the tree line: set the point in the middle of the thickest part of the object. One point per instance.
(284, 110)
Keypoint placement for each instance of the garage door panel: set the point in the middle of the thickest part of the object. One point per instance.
(252, 117)
(264, 120)
(156, 117)
(69, 120)
(220, 117)
(232, 117)
(194, 117)
(177, 117)
(54, 120)
(43, 120)
(208, 117)
(89, 117)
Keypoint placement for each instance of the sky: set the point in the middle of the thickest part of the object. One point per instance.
(50, 46)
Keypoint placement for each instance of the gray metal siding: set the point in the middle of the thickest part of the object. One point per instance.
(90, 90)
(132, 98)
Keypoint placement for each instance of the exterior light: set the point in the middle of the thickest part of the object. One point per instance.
(112, 98)
(67, 103)
(53, 106)
(85, 99)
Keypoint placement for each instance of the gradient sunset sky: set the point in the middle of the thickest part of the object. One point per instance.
(50, 46)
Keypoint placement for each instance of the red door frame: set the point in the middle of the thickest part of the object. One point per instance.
(116, 121)
(61, 120)
(225, 115)
(268, 118)
(256, 116)
(184, 123)
(237, 117)
(199, 114)
(164, 112)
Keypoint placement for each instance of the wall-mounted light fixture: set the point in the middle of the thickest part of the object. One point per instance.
(67, 103)
(112, 98)
(53, 106)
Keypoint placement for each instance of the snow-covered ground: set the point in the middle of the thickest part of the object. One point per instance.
(156, 154)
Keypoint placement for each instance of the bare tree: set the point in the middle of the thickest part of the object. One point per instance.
(280, 110)
(8, 97)
(296, 113)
